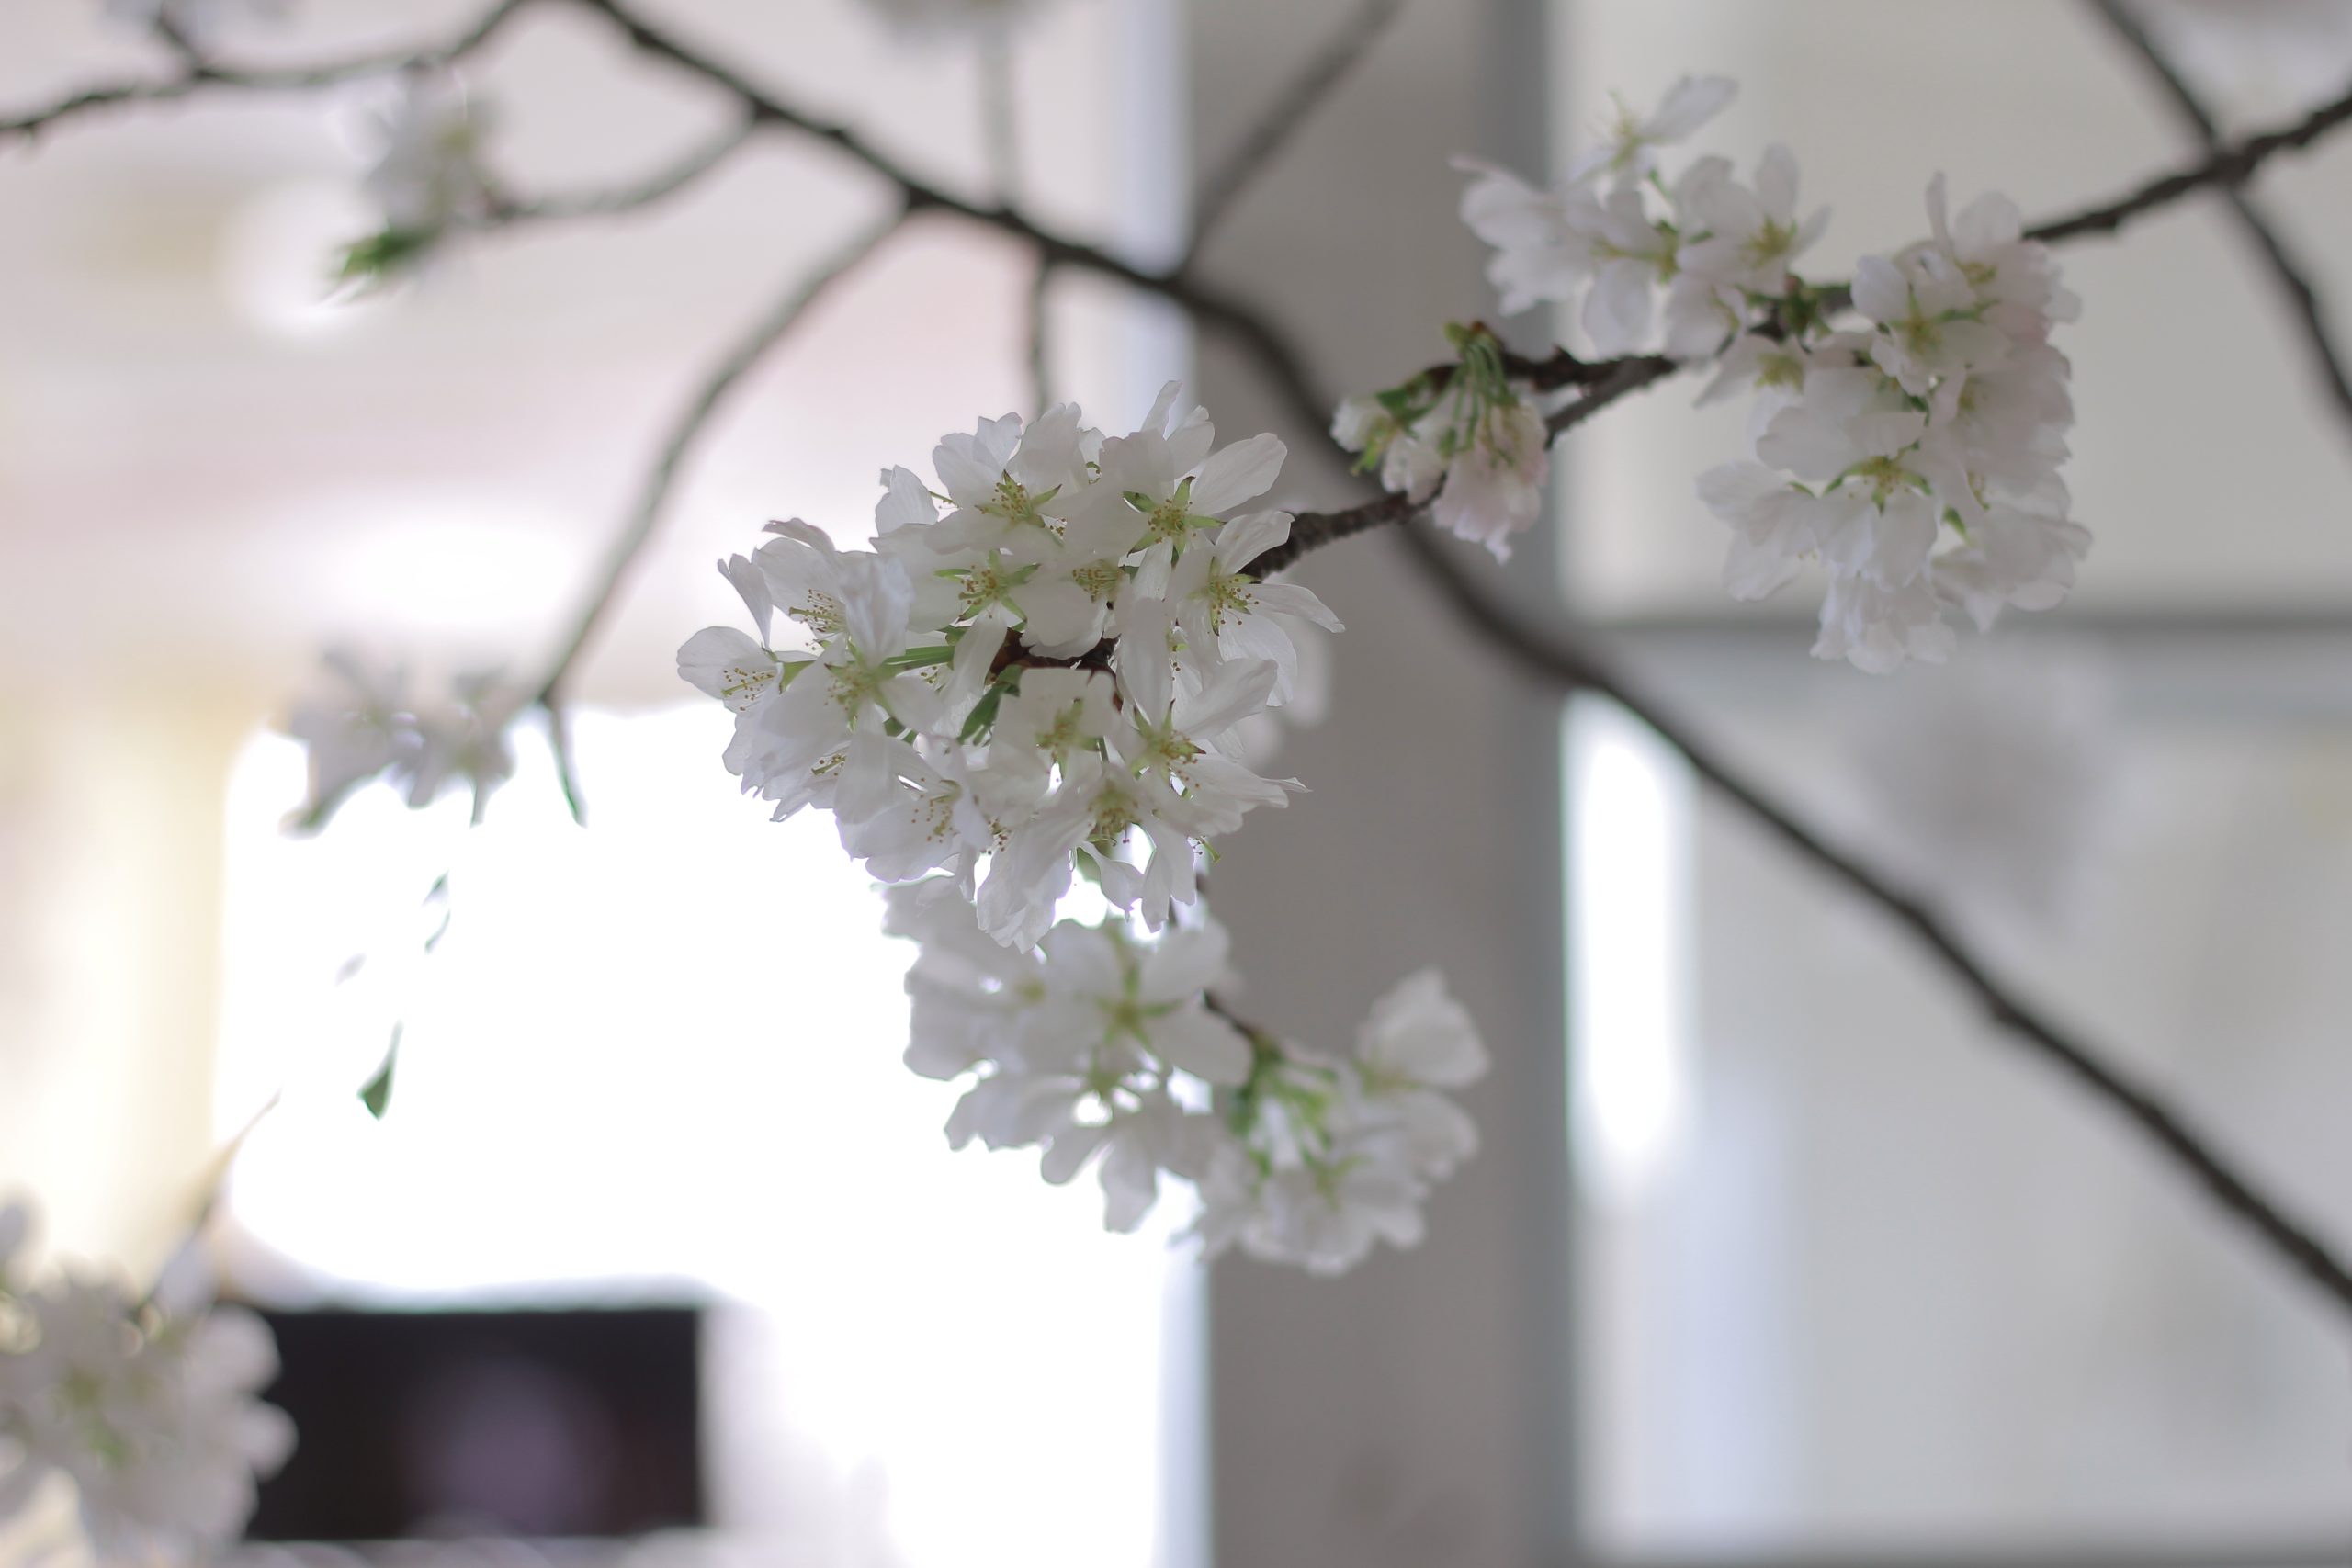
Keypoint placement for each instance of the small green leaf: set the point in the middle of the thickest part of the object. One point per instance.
(377, 1096)
(370, 263)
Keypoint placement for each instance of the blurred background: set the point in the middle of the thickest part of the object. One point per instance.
(1774, 1253)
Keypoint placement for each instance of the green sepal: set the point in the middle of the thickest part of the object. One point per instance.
(376, 1093)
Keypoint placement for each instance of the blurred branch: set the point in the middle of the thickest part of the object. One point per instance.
(645, 513)
(1563, 662)
(1000, 112)
(654, 189)
(2284, 268)
(2226, 167)
(1000, 136)
(1294, 105)
(1212, 308)
(200, 73)
(1040, 342)
(174, 38)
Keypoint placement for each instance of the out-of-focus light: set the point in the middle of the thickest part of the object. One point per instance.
(662, 1054)
(278, 256)
(1630, 935)
(425, 564)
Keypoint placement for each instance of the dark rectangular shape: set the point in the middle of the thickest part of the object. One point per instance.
(441, 1424)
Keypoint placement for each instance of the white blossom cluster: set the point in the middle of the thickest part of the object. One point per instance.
(147, 1407)
(1100, 1046)
(366, 726)
(1044, 680)
(1915, 457)
(1038, 674)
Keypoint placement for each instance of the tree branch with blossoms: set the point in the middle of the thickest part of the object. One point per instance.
(1021, 704)
(1922, 339)
(1477, 406)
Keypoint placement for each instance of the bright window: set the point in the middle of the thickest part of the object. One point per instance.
(659, 1059)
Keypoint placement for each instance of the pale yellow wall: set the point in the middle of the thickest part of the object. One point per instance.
(110, 881)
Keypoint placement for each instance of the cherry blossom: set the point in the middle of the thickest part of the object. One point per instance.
(147, 1407)
(1915, 455)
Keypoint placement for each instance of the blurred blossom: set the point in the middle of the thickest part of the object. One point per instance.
(148, 1406)
(1991, 785)
(427, 175)
(364, 725)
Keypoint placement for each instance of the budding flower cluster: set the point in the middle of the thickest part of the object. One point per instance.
(1036, 675)
(1917, 458)
(1472, 445)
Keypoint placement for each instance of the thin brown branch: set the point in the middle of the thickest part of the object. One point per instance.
(1621, 379)
(204, 76)
(1560, 661)
(2225, 168)
(645, 512)
(1312, 530)
(2285, 270)
(1294, 105)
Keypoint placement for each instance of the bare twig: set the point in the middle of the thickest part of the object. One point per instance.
(200, 74)
(174, 38)
(2284, 268)
(1621, 378)
(1000, 112)
(645, 512)
(1560, 661)
(651, 191)
(2225, 167)
(1293, 107)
